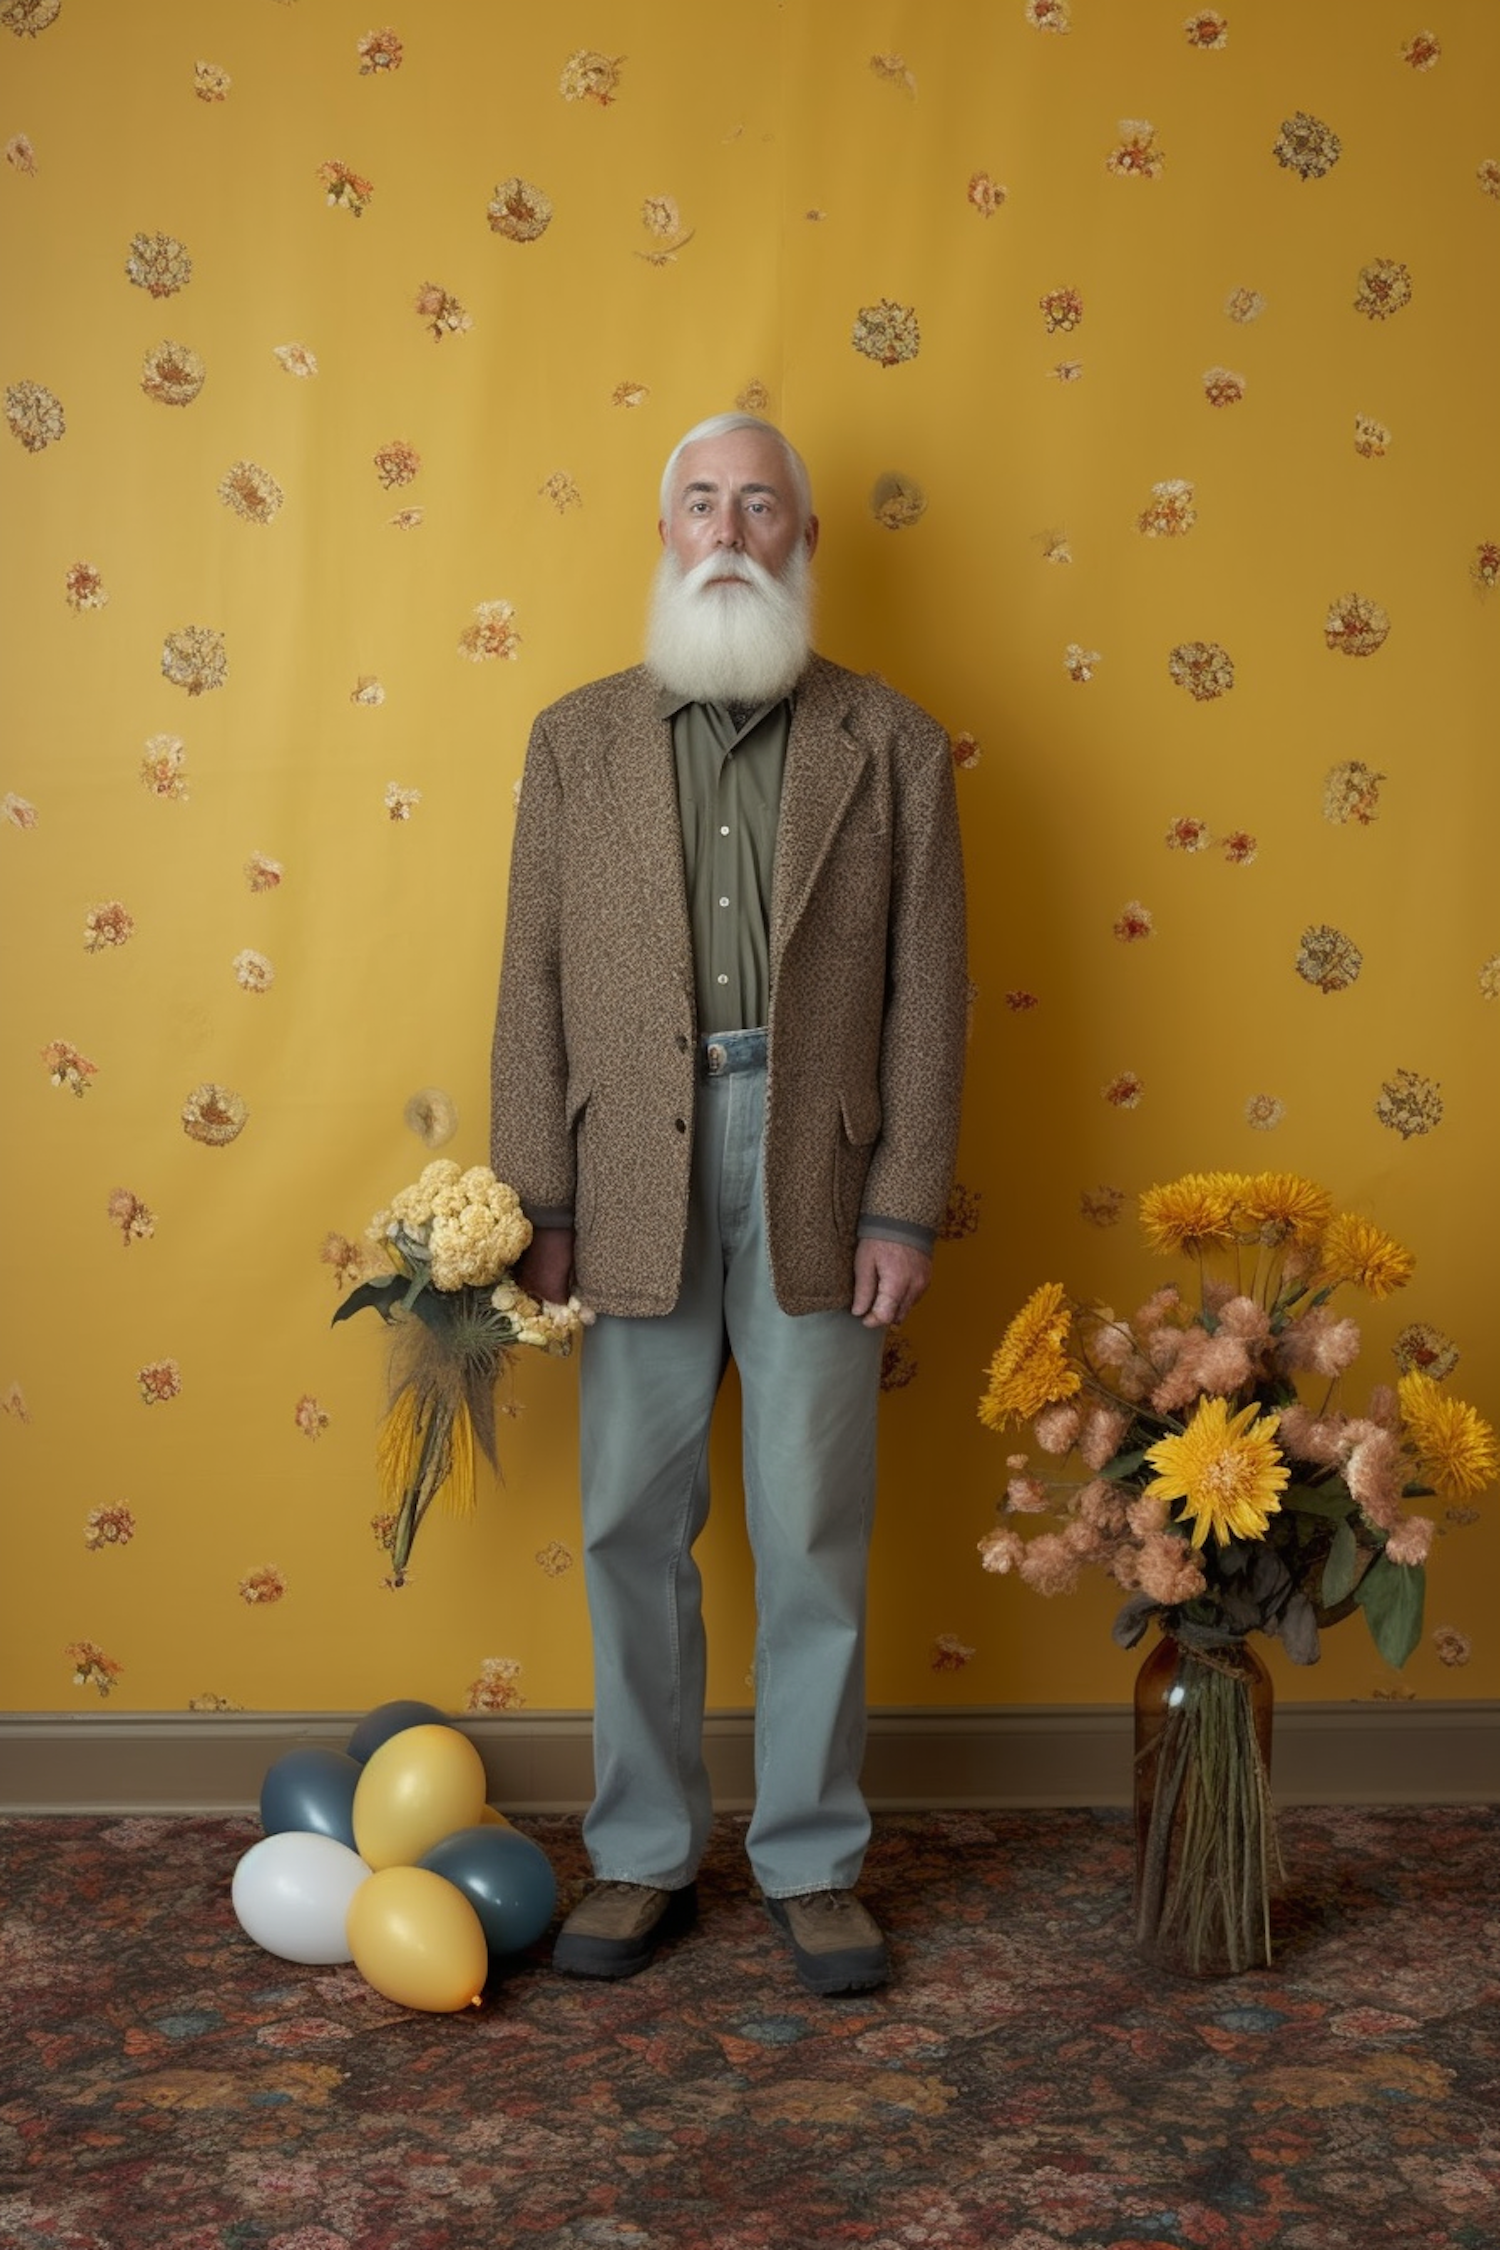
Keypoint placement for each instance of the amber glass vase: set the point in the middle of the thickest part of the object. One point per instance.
(1206, 1856)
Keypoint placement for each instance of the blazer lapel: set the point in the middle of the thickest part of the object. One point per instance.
(637, 753)
(824, 764)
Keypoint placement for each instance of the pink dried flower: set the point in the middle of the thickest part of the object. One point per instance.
(1048, 1565)
(1169, 1570)
(1373, 1473)
(1001, 1550)
(1243, 1317)
(1320, 1438)
(1099, 1442)
(1147, 1517)
(1056, 1428)
(1410, 1541)
(1102, 1505)
(1027, 1496)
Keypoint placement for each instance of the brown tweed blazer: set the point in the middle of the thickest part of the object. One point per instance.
(593, 1079)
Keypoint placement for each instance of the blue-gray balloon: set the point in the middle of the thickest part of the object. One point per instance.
(507, 1879)
(313, 1790)
(386, 1719)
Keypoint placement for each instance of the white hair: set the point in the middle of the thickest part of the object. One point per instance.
(720, 425)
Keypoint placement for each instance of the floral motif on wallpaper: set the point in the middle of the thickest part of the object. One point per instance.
(380, 52)
(344, 187)
(519, 211)
(1136, 156)
(84, 588)
(214, 1114)
(1410, 1104)
(159, 1381)
(109, 1527)
(588, 76)
(91, 1667)
(1203, 668)
(441, 313)
(887, 332)
(496, 1688)
(34, 415)
(195, 658)
(159, 264)
(1306, 146)
(1328, 958)
(262, 1586)
(135, 1220)
(67, 1067)
(1356, 626)
(172, 373)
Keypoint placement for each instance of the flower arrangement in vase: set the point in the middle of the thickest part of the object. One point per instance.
(1224, 1503)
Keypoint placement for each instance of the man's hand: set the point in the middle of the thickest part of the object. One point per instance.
(545, 1267)
(889, 1277)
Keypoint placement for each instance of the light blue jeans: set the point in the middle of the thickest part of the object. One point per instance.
(810, 1386)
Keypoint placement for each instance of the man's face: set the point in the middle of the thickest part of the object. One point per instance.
(732, 495)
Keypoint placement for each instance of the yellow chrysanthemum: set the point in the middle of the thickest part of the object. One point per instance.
(1356, 1250)
(1031, 1368)
(1226, 1471)
(1455, 1445)
(1282, 1207)
(1191, 1214)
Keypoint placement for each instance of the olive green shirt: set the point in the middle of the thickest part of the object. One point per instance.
(729, 767)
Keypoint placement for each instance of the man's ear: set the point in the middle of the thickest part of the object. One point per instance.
(661, 529)
(809, 536)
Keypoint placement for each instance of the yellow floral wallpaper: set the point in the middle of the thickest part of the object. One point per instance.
(1144, 360)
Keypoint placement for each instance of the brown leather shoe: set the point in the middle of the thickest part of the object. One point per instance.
(836, 1945)
(617, 1928)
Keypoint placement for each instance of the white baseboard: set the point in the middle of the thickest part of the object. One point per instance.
(1002, 1757)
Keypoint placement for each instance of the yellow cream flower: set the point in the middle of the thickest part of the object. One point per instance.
(1226, 1470)
(1356, 1250)
(1455, 1445)
(1282, 1207)
(1191, 1214)
(1031, 1368)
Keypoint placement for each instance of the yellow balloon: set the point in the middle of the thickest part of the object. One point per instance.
(416, 1938)
(417, 1788)
(491, 1817)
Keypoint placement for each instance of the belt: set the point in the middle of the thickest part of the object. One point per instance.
(731, 1050)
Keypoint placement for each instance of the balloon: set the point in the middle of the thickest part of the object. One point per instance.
(492, 1817)
(292, 1894)
(312, 1790)
(417, 1940)
(506, 1877)
(416, 1789)
(386, 1719)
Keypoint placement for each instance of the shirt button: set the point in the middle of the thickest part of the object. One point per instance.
(723, 902)
(722, 980)
(723, 831)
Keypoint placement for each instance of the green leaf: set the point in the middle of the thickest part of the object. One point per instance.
(1391, 1596)
(1317, 1500)
(1123, 1465)
(1341, 1567)
(369, 1293)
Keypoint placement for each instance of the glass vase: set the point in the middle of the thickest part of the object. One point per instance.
(1206, 1853)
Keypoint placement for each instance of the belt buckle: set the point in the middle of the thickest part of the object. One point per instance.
(716, 1058)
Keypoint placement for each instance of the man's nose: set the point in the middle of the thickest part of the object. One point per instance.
(727, 530)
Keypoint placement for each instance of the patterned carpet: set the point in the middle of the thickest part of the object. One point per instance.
(1025, 2085)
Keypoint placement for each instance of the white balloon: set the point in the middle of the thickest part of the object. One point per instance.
(291, 1893)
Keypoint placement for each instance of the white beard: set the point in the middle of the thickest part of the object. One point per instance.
(746, 643)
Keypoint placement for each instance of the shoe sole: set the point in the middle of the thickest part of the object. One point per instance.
(582, 1956)
(830, 1975)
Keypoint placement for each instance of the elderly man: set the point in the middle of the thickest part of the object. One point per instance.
(727, 1064)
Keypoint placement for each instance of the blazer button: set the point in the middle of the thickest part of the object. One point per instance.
(681, 1124)
(683, 1042)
